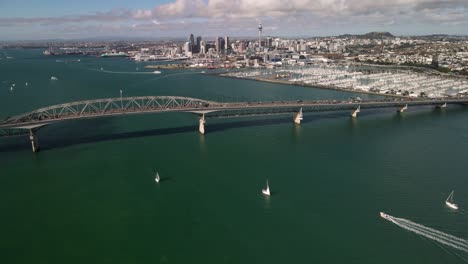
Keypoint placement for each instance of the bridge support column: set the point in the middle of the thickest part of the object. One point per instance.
(201, 126)
(34, 140)
(403, 109)
(355, 112)
(298, 117)
(442, 106)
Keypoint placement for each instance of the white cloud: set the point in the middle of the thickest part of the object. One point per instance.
(283, 17)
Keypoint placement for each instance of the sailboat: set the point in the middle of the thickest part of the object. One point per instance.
(266, 191)
(449, 202)
(157, 178)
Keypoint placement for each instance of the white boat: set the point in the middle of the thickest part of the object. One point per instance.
(26, 83)
(53, 78)
(157, 178)
(449, 202)
(11, 89)
(266, 191)
(157, 72)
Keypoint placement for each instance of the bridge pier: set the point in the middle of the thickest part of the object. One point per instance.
(201, 126)
(403, 109)
(298, 117)
(34, 140)
(355, 112)
(442, 106)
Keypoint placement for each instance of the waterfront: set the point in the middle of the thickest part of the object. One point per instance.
(362, 79)
(90, 194)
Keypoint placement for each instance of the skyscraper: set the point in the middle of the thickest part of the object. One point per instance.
(218, 44)
(191, 43)
(198, 45)
(226, 43)
(202, 47)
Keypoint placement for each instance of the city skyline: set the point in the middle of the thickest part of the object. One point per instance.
(23, 20)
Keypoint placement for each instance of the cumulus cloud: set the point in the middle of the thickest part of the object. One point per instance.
(279, 15)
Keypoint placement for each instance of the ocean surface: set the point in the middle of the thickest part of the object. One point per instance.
(89, 195)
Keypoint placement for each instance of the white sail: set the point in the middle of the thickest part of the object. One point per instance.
(266, 191)
(157, 178)
(450, 197)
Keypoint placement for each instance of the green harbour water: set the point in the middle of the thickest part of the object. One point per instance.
(89, 195)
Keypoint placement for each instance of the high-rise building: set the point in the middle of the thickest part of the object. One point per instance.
(202, 47)
(191, 43)
(226, 43)
(198, 45)
(186, 47)
(269, 42)
(219, 44)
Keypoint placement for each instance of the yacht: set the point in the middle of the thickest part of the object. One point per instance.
(449, 202)
(157, 178)
(157, 72)
(266, 191)
(53, 78)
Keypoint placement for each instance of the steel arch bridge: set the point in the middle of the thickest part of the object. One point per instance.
(107, 107)
(29, 123)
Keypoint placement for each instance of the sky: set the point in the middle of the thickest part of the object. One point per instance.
(81, 19)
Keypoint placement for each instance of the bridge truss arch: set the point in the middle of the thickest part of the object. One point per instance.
(110, 106)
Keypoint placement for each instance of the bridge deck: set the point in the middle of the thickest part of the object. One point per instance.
(159, 104)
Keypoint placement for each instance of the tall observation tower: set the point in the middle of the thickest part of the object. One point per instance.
(260, 34)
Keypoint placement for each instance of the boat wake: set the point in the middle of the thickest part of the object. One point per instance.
(441, 237)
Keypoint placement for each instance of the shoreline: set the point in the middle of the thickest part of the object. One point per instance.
(318, 86)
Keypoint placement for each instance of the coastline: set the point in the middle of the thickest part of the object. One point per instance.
(172, 66)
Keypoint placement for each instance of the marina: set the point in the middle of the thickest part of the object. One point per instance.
(362, 80)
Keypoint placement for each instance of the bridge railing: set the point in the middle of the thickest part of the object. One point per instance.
(115, 106)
